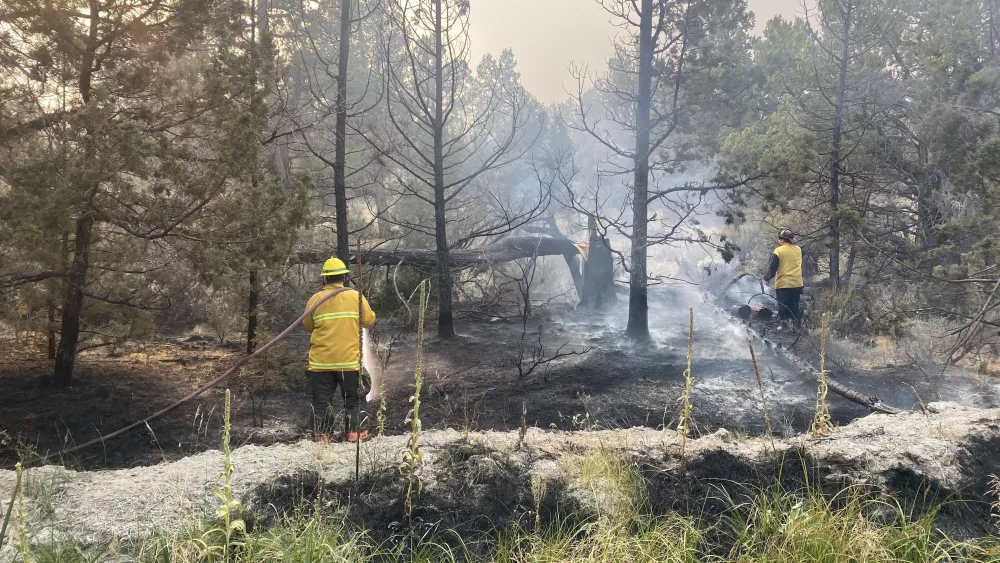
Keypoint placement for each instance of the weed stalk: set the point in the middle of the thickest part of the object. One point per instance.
(763, 401)
(995, 504)
(229, 508)
(22, 525)
(684, 425)
(539, 486)
(821, 422)
(361, 366)
(380, 414)
(524, 425)
(412, 458)
(10, 506)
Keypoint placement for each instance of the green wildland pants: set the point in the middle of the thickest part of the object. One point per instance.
(324, 386)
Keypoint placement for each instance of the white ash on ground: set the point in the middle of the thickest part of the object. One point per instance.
(949, 452)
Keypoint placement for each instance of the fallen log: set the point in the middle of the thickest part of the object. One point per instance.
(870, 401)
(573, 262)
(506, 250)
(741, 312)
(595, 287)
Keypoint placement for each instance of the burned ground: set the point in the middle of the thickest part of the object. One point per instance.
(469, 384)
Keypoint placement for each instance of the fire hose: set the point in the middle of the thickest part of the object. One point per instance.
(284, 334)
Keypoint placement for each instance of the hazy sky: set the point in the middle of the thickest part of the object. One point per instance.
(546, 35)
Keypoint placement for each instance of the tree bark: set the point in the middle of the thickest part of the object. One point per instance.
(381, 198)
(930, 216)
(598, 276)
(252, 301)
(638, 307)
(51, 328)
(340, 143)
(872, 403)
(73, 307)
(851, 258)
(446, 322)
(835, 157)
(598, 291)
(55, 288)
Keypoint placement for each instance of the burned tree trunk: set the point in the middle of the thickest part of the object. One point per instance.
(598, 276)
(873, 403)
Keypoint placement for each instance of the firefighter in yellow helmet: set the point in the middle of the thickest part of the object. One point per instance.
(334, 352)
(785, 268)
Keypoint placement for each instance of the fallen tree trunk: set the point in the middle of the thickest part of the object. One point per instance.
(871, 402)
(595, 287)
(741, 312)
(505, 250)
(573, 262)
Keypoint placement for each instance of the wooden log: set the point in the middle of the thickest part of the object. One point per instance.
(761, 313)
(741, 312)
(871, 402)
(506, 250)
(595, 287)
(573, 262)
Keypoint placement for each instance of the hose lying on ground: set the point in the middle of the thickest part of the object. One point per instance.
(284, 334)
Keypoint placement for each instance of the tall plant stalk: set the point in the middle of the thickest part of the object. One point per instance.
(380, 415)
(229, 508)
(684, 425)
(361, 366)
(763, 401)
(412, 459)
(23, 547)
(10, 506)
(821, 423)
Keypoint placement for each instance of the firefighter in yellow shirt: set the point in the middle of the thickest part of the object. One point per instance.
(335, 353)
(785, 268)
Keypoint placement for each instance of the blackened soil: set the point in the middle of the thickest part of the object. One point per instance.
(470, 382)
(38, 419)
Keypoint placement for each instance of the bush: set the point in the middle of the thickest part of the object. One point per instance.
(862, 311)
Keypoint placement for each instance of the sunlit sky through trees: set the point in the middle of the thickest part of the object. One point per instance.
(546, 35)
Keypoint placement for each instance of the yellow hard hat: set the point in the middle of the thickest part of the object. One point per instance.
(334, 267)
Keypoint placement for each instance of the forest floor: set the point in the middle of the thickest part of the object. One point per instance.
(471, 383)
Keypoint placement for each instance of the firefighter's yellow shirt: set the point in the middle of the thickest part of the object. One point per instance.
(789, 274)
(334, 344)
